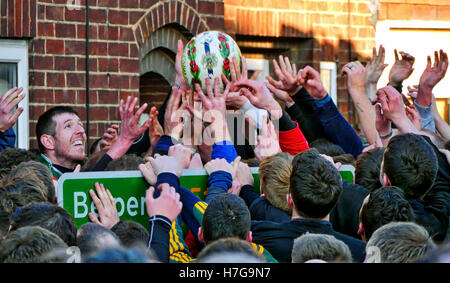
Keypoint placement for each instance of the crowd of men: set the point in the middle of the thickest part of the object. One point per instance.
(396, 210)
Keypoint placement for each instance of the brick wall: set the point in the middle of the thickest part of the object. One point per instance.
(339, 31)
(118, 29)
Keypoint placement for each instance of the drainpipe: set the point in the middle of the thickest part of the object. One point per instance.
(87, 78)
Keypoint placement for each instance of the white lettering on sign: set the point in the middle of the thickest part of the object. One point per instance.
(78, 204)
(132, 203)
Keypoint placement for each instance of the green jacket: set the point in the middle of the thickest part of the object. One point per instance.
(44, 160)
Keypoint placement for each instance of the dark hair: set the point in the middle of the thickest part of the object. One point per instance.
(227, 215)
(367, 169)
(124, 163)
(346, 158)
(315, 185)
(51, 217)
(41, 172)
(47, 126)
(121, 255)
(31, 244)
(228, 245)
(10, 157)
(93, 159)
(411, 164)
(15, 195)
(94, 237)
(131, 233)
(94, 146)
(326, 147)
(385, 205)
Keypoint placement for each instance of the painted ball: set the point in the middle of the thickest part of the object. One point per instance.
(209, 55)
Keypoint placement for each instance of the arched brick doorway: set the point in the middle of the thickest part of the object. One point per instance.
(153, 89)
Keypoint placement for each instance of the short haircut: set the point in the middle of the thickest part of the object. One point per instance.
(92, 160)
(125, 163)
(367, 168)
(327, 147)
(411, 164)
(121, 255)
(131, 233)
(344, 159)
(10, 157)
(31, 244)
(320, 246)
(385, 205)
(92, 238)
(15, 195)
(47, 126)
(51, 217)
(228, 245)
(227, 215)
(315, 185)
(399, 242)
(41, 172)
(276, 170)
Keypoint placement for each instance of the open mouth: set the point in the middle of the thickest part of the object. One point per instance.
(78, 143)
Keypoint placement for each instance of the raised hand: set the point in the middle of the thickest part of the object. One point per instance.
(431, 76)
(267, 142)
(109, 137)
(155, 130)
(180, 83)
(106, 207)
(402, 68)
(356, 77)
(168, 203)
(376, 66)
(287, 76)
(310, 79)
(260, 96)
(7, 103)
(173, 117)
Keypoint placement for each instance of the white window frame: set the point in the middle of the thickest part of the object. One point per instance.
(332, 66)
(258, 65)
(16, 51)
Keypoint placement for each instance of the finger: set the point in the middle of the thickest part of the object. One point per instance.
(282, 62)
(255, 75)
(13, 96)
(209, 91)
(273, 82)
(225, 81)
(396, 55)
(428, 61)
(276, 68)
(98, 204)
(436, 59)
(217, 92)
(233, 71)
(111, 198)
(77, 168)
(94, 218)
(288, 65)
(14, 103)
(237, 68)
(16, 115)
(8, 93)
(149, 195)
(140, 111)
(244, 73)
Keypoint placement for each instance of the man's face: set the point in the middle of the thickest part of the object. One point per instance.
(70, 137)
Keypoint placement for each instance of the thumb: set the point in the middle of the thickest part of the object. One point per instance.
(93, 218)
(149, 195)
(77, 169)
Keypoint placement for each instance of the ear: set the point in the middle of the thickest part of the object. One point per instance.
(48, 142)
(200, 235)
(249, 237)
(386, 181)
(289, 200)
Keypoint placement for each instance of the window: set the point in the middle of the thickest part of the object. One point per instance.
(258, 64)
(328, 77)
(14, 72)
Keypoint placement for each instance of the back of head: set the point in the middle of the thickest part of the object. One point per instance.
(385, 205)
(400, 242)
(227, 215)
(275, 171)
(344, 159)
(31, 244)
(92, 238)
(315, 185)
(41, 172)
(131, 233)
(51, 217)
(367, 168)
(10, 157)
(326, 147)
(320, 246)
(15, 195)
(47, 126)
(411, 164)
(125, 163)
(121, 255)
(228, 245)
(92, 160)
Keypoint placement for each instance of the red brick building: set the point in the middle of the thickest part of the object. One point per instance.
(132, 45)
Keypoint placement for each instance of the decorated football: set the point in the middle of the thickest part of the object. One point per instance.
(209, 55)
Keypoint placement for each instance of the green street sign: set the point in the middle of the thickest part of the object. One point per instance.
(128, 189)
